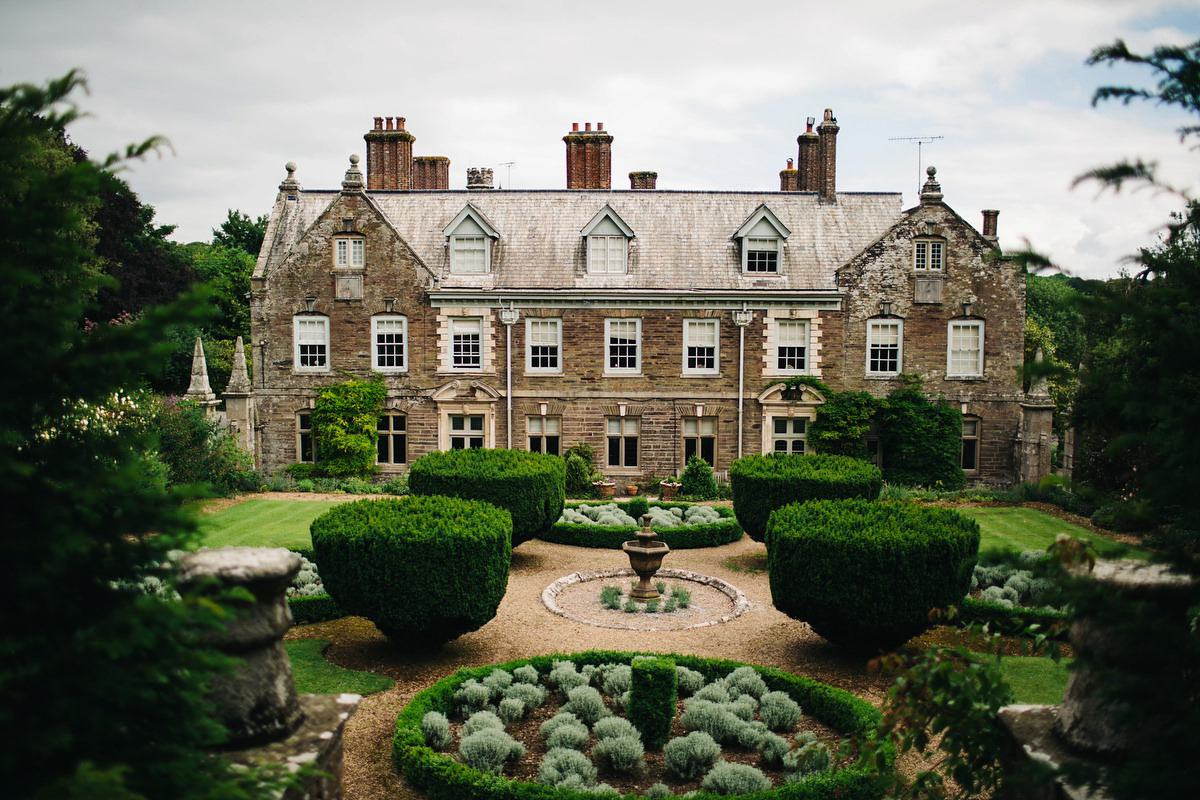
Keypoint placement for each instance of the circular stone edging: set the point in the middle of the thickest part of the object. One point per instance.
(550, 595)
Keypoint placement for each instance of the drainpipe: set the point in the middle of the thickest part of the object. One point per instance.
(741, 319)
(508, 316)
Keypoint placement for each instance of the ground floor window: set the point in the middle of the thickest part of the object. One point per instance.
(969, 460)
(623, 434)
(543, 434)
(700, 439)
(305, 452)
(788, 434)
(466, 431)
(393, 439)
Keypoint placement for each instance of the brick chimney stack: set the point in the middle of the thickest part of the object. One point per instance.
(827, 159)
(389, 155)
(640, 181)
(807, 158)
(589, 157)
(789, 179)
(989, 224)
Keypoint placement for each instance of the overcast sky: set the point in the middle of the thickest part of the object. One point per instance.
(710, 96)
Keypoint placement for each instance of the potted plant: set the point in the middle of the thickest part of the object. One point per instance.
(668, 487)
(603, 486)
(631, 489)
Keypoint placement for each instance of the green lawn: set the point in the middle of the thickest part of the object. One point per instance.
(1035, 680)
(263, 522)
(1016, 528)
(315, 675)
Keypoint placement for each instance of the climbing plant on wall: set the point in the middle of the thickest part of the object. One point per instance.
(344, 421)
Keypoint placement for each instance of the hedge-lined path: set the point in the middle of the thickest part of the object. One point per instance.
(524, 627)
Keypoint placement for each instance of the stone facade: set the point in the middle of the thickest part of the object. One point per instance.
(648, 323)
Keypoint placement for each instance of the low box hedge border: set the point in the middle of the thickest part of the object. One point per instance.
(1010, 621)
(682, 537)
(443, 778)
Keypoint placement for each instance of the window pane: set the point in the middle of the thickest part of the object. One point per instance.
(762, 255)
(614, 451)
(552, 445)
(535, 444)
(631, 451)
(357, 248)
(469, 254)
(708, 446)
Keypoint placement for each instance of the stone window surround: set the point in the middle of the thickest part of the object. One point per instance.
(535, 322)
(874, 324)
(349, 251)
(609, 324)
(487, 340)
(812, 355)
(305, 332)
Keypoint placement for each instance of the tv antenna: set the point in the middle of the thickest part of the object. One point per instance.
(508, 177)
(920, 140)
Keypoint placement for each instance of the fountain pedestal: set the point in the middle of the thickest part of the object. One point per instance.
(645, 557)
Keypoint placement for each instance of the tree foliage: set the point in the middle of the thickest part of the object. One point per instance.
(101, 684)
(239, 232)
(344, 420)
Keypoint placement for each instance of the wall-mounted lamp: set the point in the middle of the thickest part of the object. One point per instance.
(885, 307)
(310, 304)
(742, 317)
(389, 304)
(509, 315)
(966, 308)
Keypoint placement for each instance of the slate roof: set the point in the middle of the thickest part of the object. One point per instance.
(682, 239)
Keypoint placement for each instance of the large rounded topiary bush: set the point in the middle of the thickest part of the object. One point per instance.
(529, 485)
(763, 483)
(865, 575)
(423, 569)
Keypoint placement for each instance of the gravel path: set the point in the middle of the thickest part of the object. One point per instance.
(523, 627)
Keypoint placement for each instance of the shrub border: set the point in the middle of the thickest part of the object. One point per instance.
(681, 537)
(443, 778)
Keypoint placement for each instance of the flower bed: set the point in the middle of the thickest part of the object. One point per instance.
(721, 526)
(422, 727)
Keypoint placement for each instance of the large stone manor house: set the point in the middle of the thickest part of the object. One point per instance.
(652, 324)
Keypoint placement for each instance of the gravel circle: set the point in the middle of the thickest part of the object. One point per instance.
(577, 597)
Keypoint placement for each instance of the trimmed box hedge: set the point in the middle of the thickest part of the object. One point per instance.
(531, 486)
(442, 777)
(680, 537)
(653, 688)
(763, 483)
(865, 575)
(425, 570)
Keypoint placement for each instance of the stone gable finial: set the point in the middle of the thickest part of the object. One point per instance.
(199, 388)
(931, 192)
(239, 379)
(354, 177)
(290, 184)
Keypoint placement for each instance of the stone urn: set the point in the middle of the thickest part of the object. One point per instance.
(645, 556)
(605, 488)
(668, 489)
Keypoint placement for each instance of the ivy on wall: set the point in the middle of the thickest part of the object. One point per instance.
(344, 421)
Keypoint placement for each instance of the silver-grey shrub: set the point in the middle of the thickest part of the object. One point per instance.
(565, 677)
(471, 696)
(527, 674)
(658, 791)
(744, 707)
(561, 718)
(511, 709)
(488, 750)
(560, 763)
(621, 754)
(691, 756)
(751, 734)
(532, 695)
(618, 679)
(690, 681)
(772, 748)
(745, 680)
(497, 682)
(573, 735)
(779, 711)
(726, 778)
(715, 692)
(807, 759)
(585, 703)
(715, 719)
(609, 727)
(480, 720)
(436, 730)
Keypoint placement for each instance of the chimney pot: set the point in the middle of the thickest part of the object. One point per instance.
(587, 126)
(399, 123)
(599, 126)
(789, 166)
(574, 127)
(989, 222)
(379, 123)
(389, 123)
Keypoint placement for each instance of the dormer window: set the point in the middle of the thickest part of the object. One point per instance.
(349, 251)
(469, 238)
(608, 239)
(762, 237)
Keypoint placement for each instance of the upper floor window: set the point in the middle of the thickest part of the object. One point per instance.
(885, 346)
(469, 238)
(927, 254)
(623, 345)
(700, 338)
(762, 236)
(608, 239)
(964, 348)
(762, 254)
(389, 341)
(791, 345)
(310, 340)
(466, 343)
(393, 439)
(543, 345)
(349, 251)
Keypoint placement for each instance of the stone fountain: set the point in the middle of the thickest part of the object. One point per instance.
(645, 556)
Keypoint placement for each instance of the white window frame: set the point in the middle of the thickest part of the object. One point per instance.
(308, 331)
(388, 434)
(617, 327)
(470, 254)
(874, 327)
(608, 254)
(800, 338)
(761, 244)
(377, 322)
(789, 436)
(460, 361)
(535, 330)
(929, 256)
(468, 435)
(962, 360)
(620, 430)
(695, 338)
(349, 251)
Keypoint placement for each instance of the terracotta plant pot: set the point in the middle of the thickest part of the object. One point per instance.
(631, 489)
(667, 491)
(605, 488)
